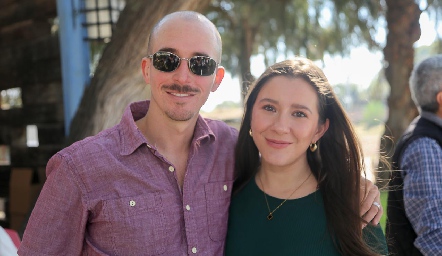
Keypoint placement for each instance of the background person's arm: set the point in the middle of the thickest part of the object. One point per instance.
(422, 165)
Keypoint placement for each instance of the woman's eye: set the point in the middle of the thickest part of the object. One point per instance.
(269, 108)
(299, 114)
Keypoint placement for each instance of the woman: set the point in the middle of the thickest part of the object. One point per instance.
(298, 171)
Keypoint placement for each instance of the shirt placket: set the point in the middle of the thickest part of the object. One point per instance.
(191, 200)
(170, 173)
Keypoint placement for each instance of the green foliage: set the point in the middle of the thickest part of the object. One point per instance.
(348, 95)
(373, 114)
(424, 52)
(379, 88)
(384, 197)
(228, 105)
(291, 27)
(96, 49)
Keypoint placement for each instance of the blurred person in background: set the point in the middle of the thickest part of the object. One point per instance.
(414, 211)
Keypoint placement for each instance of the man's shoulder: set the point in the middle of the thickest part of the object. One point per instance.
(103, 141)
(420, 143)
(221, 128)
(422, 130)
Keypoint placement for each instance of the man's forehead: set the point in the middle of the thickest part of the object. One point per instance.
(184, 26)
(183, 16)
(177, 29)
(193, 37)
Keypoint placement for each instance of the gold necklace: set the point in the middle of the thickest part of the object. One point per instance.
(270, 216)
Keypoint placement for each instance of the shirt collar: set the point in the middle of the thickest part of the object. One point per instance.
(202, 130)
(432, 117)
(131, 137)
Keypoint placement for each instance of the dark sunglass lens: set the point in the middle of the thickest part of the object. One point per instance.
(165, 61)
(202, 66)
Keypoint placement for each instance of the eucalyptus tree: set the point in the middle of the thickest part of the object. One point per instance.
(309, 28)
(314, 27)
(272, 28)
(403, 31)
(117, 80)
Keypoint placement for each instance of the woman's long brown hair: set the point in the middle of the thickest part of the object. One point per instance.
(337, 164)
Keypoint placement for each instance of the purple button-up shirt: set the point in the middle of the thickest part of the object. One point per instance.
(115, 194)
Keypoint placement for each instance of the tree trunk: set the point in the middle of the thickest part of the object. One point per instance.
(403, 31)
(246, 43)
(118, 80)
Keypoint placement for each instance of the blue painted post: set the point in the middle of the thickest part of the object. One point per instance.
(74, 56)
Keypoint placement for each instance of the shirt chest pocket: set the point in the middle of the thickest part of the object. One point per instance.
(136, 224)
(217, 205)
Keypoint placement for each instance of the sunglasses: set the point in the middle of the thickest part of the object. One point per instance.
(168, 62)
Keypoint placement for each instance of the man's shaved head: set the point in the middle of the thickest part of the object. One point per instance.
(187, 16)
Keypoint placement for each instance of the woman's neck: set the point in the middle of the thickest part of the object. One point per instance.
(280, 182)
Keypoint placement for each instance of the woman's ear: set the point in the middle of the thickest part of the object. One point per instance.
(322, 128)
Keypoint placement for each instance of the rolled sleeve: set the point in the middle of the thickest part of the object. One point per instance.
(422, 165)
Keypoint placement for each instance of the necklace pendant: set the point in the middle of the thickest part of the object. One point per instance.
(270, 216)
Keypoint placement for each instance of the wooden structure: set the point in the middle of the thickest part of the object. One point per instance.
(30, 62)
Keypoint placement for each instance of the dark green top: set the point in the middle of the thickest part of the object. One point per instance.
(298, 227)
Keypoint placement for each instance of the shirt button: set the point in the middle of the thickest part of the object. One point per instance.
(194, 249)
(132, 203)
(171, 169)
(225, 187)
(148, 146)
(188, 207)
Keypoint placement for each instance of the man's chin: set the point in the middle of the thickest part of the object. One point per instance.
(180, 116)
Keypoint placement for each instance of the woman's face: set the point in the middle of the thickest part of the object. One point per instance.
(285, 121)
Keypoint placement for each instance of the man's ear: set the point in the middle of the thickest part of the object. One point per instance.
(439, 98)
(145, 64)
(220, 71)
(439, 101)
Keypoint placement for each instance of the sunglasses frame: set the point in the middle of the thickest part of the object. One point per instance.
(151, 56)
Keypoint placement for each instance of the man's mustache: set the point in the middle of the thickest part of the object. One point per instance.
(181, 88)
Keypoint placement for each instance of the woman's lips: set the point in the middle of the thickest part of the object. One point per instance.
(277, 143)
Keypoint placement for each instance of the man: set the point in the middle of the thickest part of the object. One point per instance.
(414, 225)
(159, 182)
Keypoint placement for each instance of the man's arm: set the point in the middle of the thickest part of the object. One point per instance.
(422, 165)
(370, 196)
(58, 220)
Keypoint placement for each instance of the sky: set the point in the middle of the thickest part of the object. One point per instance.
(359, 68)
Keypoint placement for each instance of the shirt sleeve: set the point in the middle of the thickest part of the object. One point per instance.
(58, 220)
(375, 239)
(422, 170)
